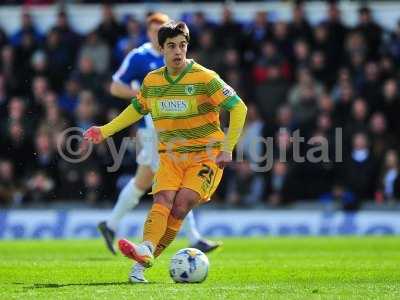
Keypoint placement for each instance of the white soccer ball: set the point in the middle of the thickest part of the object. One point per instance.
(189, 265)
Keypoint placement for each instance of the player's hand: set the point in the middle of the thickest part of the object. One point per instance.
(223, 159)
(93, 135)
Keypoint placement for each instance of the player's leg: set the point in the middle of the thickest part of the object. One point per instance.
(195, 238)
(137, 274)
(190, 229)
(203, 177)
(154, 228)
(185, 201)
(130, 195)
(128, 198)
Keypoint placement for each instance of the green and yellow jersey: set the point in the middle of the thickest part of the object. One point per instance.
(185, 109)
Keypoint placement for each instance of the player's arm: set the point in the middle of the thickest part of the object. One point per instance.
(122, 90)
(96, 134)
(131, 114)
(122, 79)
(222, 95)
(236, 122)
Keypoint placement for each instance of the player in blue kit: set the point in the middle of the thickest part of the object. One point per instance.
(126, 83)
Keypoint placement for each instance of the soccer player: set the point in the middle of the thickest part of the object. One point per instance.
(134, 68)
(184, 100)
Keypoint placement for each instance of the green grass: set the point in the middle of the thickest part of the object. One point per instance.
(285, 268)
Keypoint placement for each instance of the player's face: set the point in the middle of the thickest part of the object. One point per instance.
(174, 51)
(152, 32)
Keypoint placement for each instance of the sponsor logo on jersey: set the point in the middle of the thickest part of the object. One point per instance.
(173, 106)
(189, 90)
(227, 91)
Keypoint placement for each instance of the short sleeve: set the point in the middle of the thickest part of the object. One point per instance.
(221, 94)
(140, 103)
(129, 69)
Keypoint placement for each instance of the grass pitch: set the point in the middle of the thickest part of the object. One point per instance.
(255, 268)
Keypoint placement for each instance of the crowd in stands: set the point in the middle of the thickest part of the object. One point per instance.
(294, 77)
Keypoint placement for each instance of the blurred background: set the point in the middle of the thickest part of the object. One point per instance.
(312, 67)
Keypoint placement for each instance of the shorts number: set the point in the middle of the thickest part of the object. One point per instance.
(206, 173)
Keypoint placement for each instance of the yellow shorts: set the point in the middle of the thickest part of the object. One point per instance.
(196, 171)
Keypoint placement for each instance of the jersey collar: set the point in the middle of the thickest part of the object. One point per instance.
(180, 76)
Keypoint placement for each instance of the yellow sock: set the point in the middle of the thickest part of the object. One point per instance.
(172, 230)
(156, 223)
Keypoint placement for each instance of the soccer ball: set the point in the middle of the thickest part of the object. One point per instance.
(189, 265)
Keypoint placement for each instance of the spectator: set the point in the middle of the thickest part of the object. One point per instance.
(391, 106)
(27, 29)
(322, 44)
(301, 53)
(3, 38)
(250, 144)
(39, 187)
(8, 67)
(199, 25)
(300, 27)
(258, 31)
(133, 39)
(109, 29)
(281, 36)
(23, 55)
(381, 139)
(69, 99)
(319, 68)
(371, 86)
(69, 38)
(206, 52)
(59, 58)
(304, 80)
(247, 187)
(371, 31)
(93, 187)
(40, 87)
(285, 119)
(326, 104)
(39, 65)
(387, 67)
(16, 113)
(358, 118)
(228, 31)
(86, 75)
(10, 193)
(360, 162)
(45, 154)
(3, 96)
(270, 75)
(336, 33)
(54, 120)
(389, 181)
(18, 147)
(393, 46)
(277, 184)
(345, 94)
(97, 51)
(86, 111)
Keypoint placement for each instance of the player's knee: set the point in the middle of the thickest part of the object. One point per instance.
(185, 201)
(165, 198)
(144, 178)
(180, 210)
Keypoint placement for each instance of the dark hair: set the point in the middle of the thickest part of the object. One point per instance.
(171, 30)
(364, 10)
